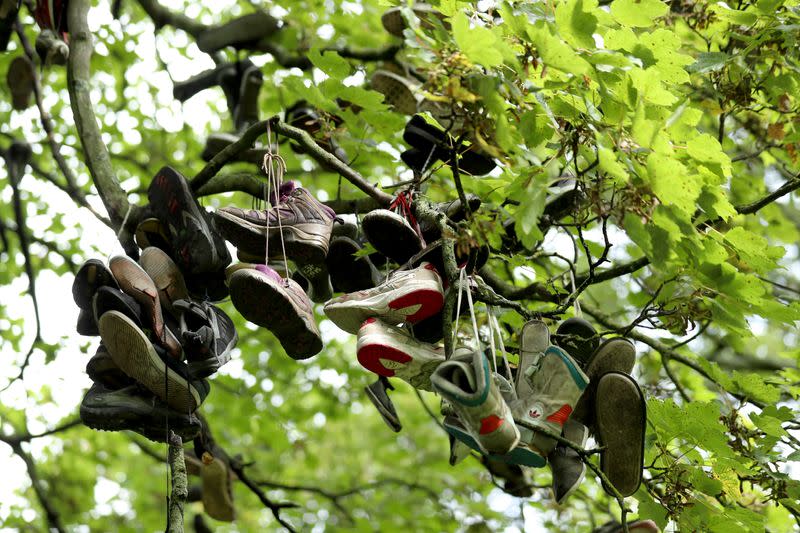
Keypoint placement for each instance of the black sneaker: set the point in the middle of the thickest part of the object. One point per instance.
(431, 143)
(377, 394)
(349, 273)
(108, 299)
(566, 465)
(391, 235)
(197, 248)
(92, 275)
(102, 369)
(578, 338)
(317, 281)
(132, 408)
(208, 336)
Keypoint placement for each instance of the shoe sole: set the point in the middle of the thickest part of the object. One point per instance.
(582, 443)
(613, 355)
(349, 273)
(261, 301)
(621, 416)
(412, 307)
(99, 420)
(166, 276)
(389, 415)
(390, 237)
(416, 371)
(317, 276)
(519, 455)
(135, 355)
(303, 243)
(396, 90)
(95, 275)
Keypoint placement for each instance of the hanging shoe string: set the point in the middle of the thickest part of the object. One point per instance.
(402, 204)
(274, 167)
(495, 335)
(463, 285)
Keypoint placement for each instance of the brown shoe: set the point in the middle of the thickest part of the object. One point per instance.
(306, 224)
(279, 305)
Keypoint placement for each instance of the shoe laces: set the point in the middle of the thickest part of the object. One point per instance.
(274, 167)
(402, 205)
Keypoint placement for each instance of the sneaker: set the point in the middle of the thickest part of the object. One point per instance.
(566, 465)
(520, 455)
(102, 369)
(534, 339)
(391, 235)
(378, 395)
(134, 281)
(196, 246)
(151, 232)
(240, 32)
(349, 273)
(8, 14)
(621, 415)
(393, 352)
(165, 377)
(208, 337)
(639, 526)
(317, 281)
(107, 299)
(437, 145)
(398, 91)
(166, 276)
(548, 389)
(131, 408)
(466, 382)
(92, 275)
(279, 305)
(245, 113)
(394, 22)
(86, 324)
(613, 355)
(515, 479)
(578, 337)
(408, 296)
(217, 488)
(306, 224)
(20, 81)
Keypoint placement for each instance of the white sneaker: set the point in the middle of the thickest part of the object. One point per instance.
(408, 296)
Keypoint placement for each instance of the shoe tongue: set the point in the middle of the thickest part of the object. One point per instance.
(264, 269)
(282, 193)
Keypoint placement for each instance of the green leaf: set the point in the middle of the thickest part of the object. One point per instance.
(707, 149)
(672, 183)
(576, 23)
(708, 62)
(331, 63)
(638, 13)
(477, 43)
(557, 54)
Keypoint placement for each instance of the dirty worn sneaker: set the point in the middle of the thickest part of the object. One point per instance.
(548, 389)
(164, 376)
(566, 465)
(349, 273)
(466, 382)
(613, 355)
(306, 222)
(393, 352)
(134, 409)
(167, 277)
(107, 299)
(92, 275)
(378, 395)
(208, 336)
(278, 304)
(196, 247)
(408, 296)
(391, 234)
(102, 369)
(621, 415)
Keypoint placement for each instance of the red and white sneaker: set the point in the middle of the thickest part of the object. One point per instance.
(392, 352)
(408, 296)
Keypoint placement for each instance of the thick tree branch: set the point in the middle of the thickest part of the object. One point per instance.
(180, 484)
(96, 154)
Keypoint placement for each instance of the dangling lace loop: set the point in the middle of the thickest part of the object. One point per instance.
(274, 167)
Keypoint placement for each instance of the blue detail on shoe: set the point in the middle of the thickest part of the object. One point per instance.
(520, 455)
(573, 370)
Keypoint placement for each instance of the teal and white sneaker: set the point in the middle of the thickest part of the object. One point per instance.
(465, 381)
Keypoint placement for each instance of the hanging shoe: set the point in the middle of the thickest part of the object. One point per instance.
(20, 81)
(394, 234)
(245, 113)
(566, 464)
(407, 296)
(280, 305)
(349, 273)
(639, 526)
(398, 91)
(166, 276)
(92, 275)
(217, 488)
(621, 416)
(151, 232)
(8, 14)
(102, 369)
(165, 377)
(131, 408)
(578, 337)
(317, 281)
(208, 336)
(393, 352)
(437, 145)
(196, 246)
(466, 382)
(378, 395)
(135, 282)
(304, 222)
(548, 389)
(108, 299)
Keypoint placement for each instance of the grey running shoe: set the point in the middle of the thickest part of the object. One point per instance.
(393, 352)
(208, 336)
(280, 305)
(305, 221)
(566, 465)
(131, 408)
(408, 296)
(164, 376)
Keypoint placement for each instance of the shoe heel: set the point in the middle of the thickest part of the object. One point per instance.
(370, 358)
(418, 305)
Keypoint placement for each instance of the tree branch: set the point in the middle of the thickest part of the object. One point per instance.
(180, 490)
(53, 518)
